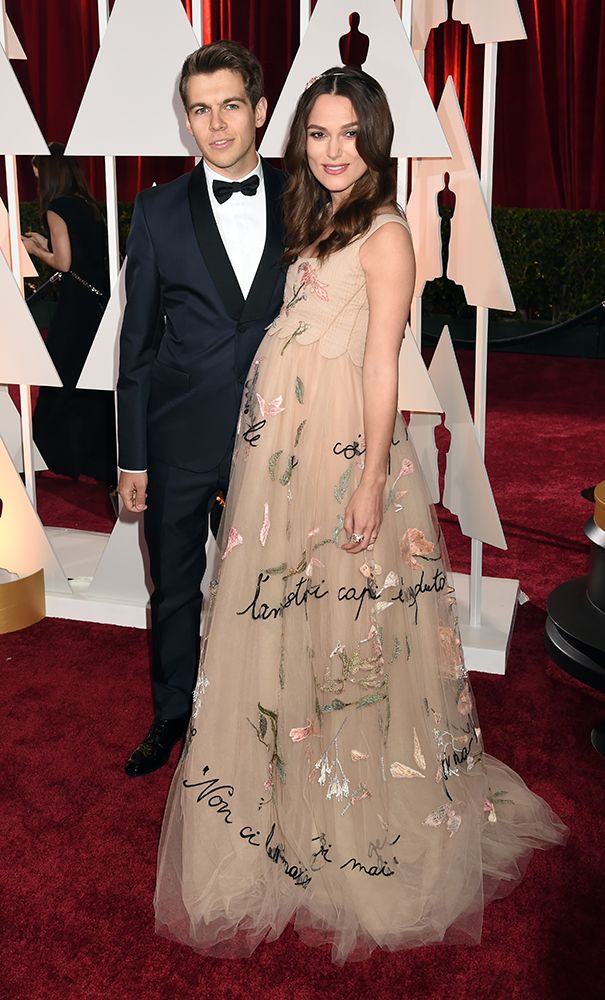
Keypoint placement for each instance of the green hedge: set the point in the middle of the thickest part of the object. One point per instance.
(554, 259)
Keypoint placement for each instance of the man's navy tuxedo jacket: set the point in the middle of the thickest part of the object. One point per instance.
(188, 335)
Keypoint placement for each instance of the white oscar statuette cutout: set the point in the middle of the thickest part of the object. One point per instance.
(131, 105)
(19, 130)
(390, 60)
(24, 546)
(474, 256)
(491, 20)
(14, 49)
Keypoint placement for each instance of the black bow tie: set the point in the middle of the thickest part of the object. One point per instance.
(224, 189)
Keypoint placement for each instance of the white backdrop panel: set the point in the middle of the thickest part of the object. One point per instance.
(23, 355)
(426, 15)
(416, 391)
(10, 432)
(24, 548)
(14, 49)
(19, 131)
(467, 491)
(131, 105)
(390, 60)
(491, 20)
(28, 269)
(100, 370)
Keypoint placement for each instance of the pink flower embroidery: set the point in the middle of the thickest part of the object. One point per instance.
(488, 807)
(234, 539)
(297, 735)
(358, 755)
(414, 543)
(264, 531)
(450, 646)
(270, 409)
(311, 282)
(407, 469)
(464, 701)
(313, 562)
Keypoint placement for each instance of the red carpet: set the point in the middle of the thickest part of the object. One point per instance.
(79, 839)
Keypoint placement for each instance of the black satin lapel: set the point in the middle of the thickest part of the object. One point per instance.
(269, 268)
(211, 245)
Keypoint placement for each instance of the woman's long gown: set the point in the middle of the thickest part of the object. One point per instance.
(75, 428)
(334, 769)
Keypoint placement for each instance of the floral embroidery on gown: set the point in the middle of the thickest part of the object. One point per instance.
(334, 771)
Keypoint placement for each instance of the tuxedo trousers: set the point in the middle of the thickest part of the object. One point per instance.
(179, 502)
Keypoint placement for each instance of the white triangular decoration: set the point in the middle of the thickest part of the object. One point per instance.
(474, 256)
(426, 15)
(19, 131)
(390, 60)
(28, 269)
(14, 49)
(491, 20)
(100, 369)
(467, 491)
(131, 106)
(24, 547)
(422, 432)
(10, 432)
(416, 391)
(23, 355)
(122, 573)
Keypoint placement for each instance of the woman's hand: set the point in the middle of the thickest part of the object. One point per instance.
(363, 516)
(34, 243)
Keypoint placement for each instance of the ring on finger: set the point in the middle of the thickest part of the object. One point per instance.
(356, 537)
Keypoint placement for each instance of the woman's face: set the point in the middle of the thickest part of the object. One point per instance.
(332, 145)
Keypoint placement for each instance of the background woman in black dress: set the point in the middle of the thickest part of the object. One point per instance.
(73, 428)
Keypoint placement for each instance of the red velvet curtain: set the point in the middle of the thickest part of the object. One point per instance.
(550, 103)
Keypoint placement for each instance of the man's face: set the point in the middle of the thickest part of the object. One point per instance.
(223, 122)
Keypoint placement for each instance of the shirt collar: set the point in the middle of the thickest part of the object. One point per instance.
(211, 175)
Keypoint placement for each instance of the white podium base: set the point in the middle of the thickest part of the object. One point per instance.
(486, 647)
(79, 553)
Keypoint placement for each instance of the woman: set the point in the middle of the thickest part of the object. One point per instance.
(74, 428)
(334, 770)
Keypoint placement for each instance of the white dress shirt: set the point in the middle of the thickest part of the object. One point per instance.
(242, 225)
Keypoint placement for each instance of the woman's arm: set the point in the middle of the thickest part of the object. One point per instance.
(387, 258)
(60, 256)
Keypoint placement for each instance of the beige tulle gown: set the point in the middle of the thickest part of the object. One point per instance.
(334, 771)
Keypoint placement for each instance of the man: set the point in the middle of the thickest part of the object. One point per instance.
(204, 270)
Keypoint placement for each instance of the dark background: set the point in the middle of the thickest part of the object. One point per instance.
(550, 110)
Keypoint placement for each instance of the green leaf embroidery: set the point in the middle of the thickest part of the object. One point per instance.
(267, 711)
(262, 725)
(282, 673)
(299, 390)
(396, 650)
(299, 433)
(273, 464)
(370, 699)
(389, 499)
(287, 476)
(334, 706)
(343, 485)
(408, 648)
(340, 523)
(279, 767)
(274, 570)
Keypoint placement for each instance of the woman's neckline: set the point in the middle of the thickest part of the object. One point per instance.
(379, 215)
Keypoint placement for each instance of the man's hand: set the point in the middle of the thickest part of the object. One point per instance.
(132, 487)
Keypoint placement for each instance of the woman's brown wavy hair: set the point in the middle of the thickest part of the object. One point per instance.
(306, 201)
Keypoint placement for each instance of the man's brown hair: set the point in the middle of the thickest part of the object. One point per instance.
(224, 55)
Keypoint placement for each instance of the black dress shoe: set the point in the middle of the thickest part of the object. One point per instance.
(155, 749)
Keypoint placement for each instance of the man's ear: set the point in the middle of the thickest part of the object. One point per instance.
(188, 123)
(260, 112)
